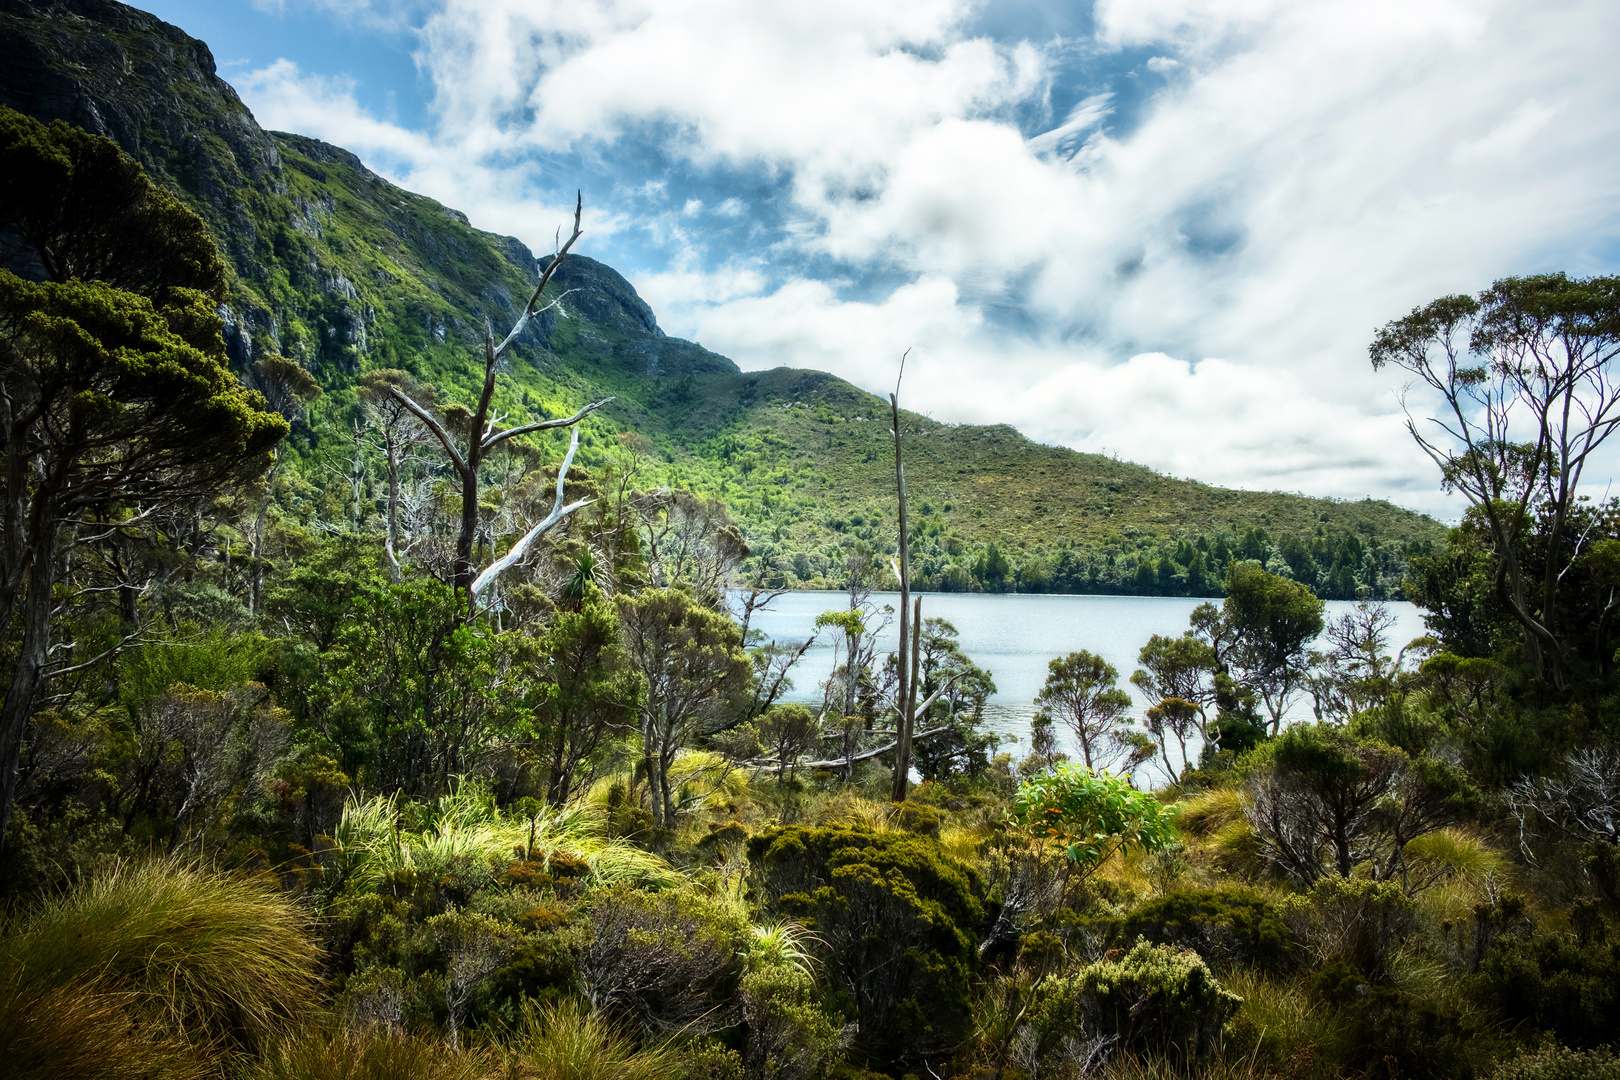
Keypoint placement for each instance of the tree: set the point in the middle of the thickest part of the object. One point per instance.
(587, 693)
(398, 432)
(1269, 624)
(787, 732)
(1081, 694)
(115, 399)
(1527, 395)
(1178, 675)
(1322, 801)
(689, 540)
(483, 436)
(958, 689)
(413, 692)
(695, 669)
(1357, 671)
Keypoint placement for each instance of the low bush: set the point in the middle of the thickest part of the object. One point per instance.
(898, 920)
(1155, 999)
(666, 960)
(1558, 982)
(1225, 926)
(1351, 919)
(1561, 1063)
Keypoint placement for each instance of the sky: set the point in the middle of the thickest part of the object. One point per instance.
(1164, 230)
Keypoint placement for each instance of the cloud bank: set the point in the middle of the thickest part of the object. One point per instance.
(1168, 234)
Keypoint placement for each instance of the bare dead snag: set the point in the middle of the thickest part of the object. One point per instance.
(484, 435)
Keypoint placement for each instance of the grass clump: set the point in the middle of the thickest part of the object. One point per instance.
(214, 959)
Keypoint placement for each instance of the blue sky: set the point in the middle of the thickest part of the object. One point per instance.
(1164, 229)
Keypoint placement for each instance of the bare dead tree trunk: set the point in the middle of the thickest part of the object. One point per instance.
(903, 699)
(483, 437)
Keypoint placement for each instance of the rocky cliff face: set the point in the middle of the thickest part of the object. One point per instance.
(331, 265)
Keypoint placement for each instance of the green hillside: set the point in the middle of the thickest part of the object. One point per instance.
(342, 272)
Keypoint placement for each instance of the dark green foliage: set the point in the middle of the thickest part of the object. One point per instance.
(1393, 1029)
(899, 919)
(1565, 983)
(1155, 998)
(1225, 926)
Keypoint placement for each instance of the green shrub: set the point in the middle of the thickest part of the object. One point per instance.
(898, 920)
(916, 818)
(1352, 919)
(215, 959)
(1389, 1027)
(790, 1037)
(1155, 998)
(1561, 1063)
(1225, 926)
(1558, 982)
(666, 960)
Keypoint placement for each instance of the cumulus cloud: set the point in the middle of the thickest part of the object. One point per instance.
(1187, 274)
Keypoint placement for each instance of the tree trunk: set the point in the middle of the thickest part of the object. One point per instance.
(902, 760)
(30, 671)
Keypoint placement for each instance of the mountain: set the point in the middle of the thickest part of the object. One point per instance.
(343, 272)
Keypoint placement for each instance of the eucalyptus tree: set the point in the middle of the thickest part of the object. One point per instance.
(116, 403)
(1523, 376)
(1082, 694)
(695, 672)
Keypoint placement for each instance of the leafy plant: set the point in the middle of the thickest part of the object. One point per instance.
(1091, 814)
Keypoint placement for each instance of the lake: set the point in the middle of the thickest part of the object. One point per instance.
(1015, 635)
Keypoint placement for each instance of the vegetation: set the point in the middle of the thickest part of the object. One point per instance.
(296, 797)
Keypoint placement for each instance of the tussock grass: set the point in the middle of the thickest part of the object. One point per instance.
(564, 1041)
(780, 943)
(217, 960)
(467, 827)
(82, 1031)
(371, 1054)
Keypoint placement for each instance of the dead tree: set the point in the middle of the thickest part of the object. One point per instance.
(398, 432)
(484, 436)
(910, 620)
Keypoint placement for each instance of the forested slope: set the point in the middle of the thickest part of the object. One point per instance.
(336, 272)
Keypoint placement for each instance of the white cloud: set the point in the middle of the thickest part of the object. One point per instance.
(1309, 171)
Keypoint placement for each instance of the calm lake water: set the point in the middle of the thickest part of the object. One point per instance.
(1014, 637)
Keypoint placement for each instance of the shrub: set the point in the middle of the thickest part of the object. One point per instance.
(789, 1036)
(215, 959)
(1091, 815)
(1226, 926)
(1353, 920)
(1561, 1063)
(1155, 998)
(1559, 983)
(666, 960)
(898, 919)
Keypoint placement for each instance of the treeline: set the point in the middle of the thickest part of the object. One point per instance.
(1335, 566)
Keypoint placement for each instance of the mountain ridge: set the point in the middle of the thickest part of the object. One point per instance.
(341, 271)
